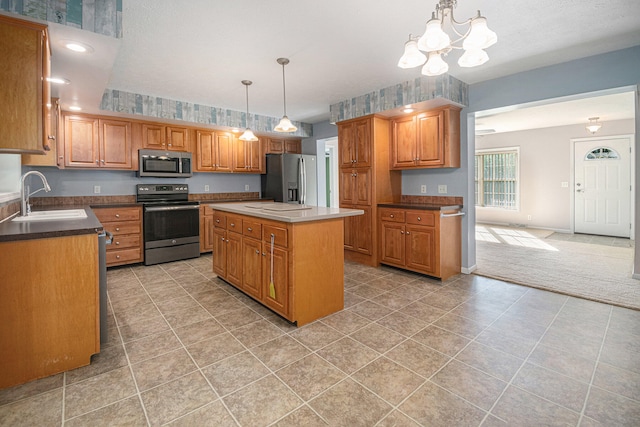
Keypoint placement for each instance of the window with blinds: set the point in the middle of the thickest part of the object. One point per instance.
(496, 178)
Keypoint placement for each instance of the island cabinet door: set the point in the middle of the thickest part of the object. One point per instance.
(421, 249)
(220, 252)
(252, 274)
(276, 297)
(393, 243)
(234, 258)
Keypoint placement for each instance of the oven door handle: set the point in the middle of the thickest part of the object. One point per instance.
(170, 208)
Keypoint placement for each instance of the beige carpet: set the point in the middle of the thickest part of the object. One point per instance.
(525, 256)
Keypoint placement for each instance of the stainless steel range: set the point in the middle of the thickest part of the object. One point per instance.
(171, 223)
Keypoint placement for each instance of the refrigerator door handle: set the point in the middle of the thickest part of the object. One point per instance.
(300, 181)
(303, 168)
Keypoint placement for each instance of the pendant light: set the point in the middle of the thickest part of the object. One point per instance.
(248, 134)
(285, 124)
(594, 125)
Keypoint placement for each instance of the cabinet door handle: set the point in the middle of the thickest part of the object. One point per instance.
(419, 219)
(408, 233)
(257, 252)
(217, 221)
(97, 162)
(227, 240)
(391, 216)
(249, 229)
(222, 238)
(233, 225)
(117, 243)
(102, 161)
(401, 232)
(117, 215)
(117, 256)
(51, 137)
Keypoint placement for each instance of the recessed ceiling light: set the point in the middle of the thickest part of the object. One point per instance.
(75, 108)
(77, 46)
(58, 80)
(235, 130)
(408, 110)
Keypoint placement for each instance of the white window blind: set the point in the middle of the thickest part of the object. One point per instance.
(496, 178)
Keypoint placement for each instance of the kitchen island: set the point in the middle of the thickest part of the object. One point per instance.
(288, 257)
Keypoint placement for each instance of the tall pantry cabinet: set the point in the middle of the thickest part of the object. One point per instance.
(365, 181)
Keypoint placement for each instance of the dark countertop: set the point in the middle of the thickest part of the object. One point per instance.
(420, 206)
(13, 231)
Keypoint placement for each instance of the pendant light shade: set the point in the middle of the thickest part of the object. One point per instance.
(248, 134)
(412, 56)
(594, 125)
(435, 65)
(285, 124)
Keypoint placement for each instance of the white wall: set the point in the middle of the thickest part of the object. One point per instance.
(545, 162)
(9, 176)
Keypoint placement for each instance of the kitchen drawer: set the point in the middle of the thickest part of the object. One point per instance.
(234, 223)
(219, 220)
(125, 241)
(123, 256)
(280, 235)
(392, 215)
(121, 228)
(421, 218)
(251, 229)
(118, 214)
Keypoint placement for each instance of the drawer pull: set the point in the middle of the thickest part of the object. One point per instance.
(233, 225)
(217, 221)
(249, 229)
(117, 256)
(419, 219)
(117, 215)
(391, 216)
(443, 215)
(117, 228)
(117, 243)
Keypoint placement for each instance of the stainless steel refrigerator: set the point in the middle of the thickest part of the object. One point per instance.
(291, 178)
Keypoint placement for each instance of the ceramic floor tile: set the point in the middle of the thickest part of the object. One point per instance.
(443, 341)
(143, 329)
(616, 380)
(460, 325)
(423, 312)
(211, 415)
(256, 333)
(612, 409)
(98, 391)
(199, 331)
(44, 409)
(316, 335)
(151, 346)
(262, 402)
(378, 337)
(32, 388)
(350, 404)
(494, 362)
(161, 369)
(469, 383)
(280, 352)
(187, 316)
(563, 362)
(345, 321)
(517, 407)
(217, 348)
(431, 405)
(238, 318)
(348, 354)
(126, 412)
(402, 323)
(397, 419)
(177, 398)
(418, 358)
(310, 376)
(304, 416)
(234, 373)
(370, 310)
(388, 380)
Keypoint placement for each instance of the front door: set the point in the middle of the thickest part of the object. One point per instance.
(603, 186)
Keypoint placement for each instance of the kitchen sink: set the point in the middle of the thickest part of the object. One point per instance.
(53, 215)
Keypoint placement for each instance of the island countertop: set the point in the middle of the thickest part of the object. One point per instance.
(285, 212)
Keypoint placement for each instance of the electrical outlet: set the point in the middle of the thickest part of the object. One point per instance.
(442, 189)
(528, 217)
(246, 187)
(423, 189)
(206, 188)
(96, 189)
(564, 184)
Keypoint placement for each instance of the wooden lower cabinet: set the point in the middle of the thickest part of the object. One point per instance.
(421, 241)
(49, 306)
(304, 262)
(206, 229)
(125, 224)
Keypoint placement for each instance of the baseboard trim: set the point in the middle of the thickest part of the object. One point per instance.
(635, 276)
(469, 270)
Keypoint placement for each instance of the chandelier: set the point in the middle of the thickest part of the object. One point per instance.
(474, 38)
(594, 125)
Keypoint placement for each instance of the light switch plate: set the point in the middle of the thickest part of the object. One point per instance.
(246, 187)
(442, 189)
(564, 184)
(96, 189)
(423, 189)
(206, 188)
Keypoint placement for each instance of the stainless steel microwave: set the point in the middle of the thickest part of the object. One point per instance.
(165, 164)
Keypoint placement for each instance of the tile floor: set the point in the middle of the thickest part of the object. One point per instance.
(186, 349)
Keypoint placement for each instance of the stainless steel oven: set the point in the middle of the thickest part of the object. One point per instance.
(171, 223)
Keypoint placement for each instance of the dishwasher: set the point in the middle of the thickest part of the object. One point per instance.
(104, 239)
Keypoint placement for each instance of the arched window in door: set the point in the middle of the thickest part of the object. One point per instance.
(602, 153)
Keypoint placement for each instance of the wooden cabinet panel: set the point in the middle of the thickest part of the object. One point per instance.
(421, 218)
(252, 228)
(355, 144)
(81, 145)
(118, 214)
(219, 220)
(357, 231)
(55, 156)
(205, 150)
(392, 243)
(153, 136)
(220, 252)
(248, 157)
(206, 229)
(160, 137)
(24, 88)
(280, 235)
(177, 138)
(392, 215)
(293, 146)
(429, 139)
(234, 258)
(234, 223)
(252, 279)
(421, 248)
(355, 186)
(274, 146)
(115, 144)
(224, 150)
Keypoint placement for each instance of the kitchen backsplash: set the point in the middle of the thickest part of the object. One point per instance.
(441, 200)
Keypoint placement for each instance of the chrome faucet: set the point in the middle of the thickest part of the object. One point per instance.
(25, 208)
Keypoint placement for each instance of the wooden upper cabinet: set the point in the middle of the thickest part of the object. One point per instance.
(213, 151)
(92, 142)
(278, 146)
(24, 88)
(429, 139)
(248, 157)
(355, 186)
(293, 146)
(355, 143)
(160, 137)
(55, 156)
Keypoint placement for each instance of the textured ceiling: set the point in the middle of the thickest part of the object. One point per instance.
(199, 51)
